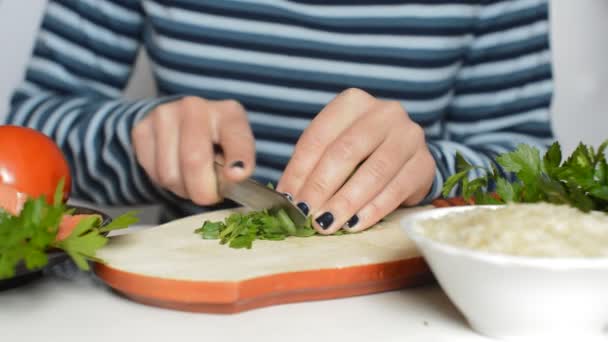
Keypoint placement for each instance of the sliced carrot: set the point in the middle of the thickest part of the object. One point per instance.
(68, 223)
(458, 201)
(441, 203)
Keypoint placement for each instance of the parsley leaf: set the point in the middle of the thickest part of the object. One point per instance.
(58, 196)
(463, 167)
(210, 230)
(552, 159)
(462, 164)
(505, 190)
(524, 161)
(123, 221)
(472, 188)
(600, 192)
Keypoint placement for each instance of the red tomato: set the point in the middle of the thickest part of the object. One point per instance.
(32, 163)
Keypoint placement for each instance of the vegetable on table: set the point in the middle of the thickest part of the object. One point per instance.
(40, 228)
(35, 184)
(239, 230)
(581, 180)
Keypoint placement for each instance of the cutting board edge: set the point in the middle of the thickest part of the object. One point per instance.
(288, 298)
(237, 296)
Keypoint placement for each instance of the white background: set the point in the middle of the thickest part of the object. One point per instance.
(579, 39)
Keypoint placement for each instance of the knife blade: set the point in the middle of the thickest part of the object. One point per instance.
(256, 196)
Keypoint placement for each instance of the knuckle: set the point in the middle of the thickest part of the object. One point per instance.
(300, 157)
(162, 115)
(309, 145)
(428, 160)
(418, 132)
(293, 176)
(356, 93)
(319, 185)
(395, 109)
(378, 169)
(418, 135)
(346, 202)
(233, 106)
(343, 149)
(160, 109)
(190, 102)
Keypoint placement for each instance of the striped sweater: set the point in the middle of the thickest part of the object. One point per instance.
(475, 74)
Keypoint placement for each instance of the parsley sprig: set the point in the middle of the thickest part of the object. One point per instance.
(29, 236)
(580, 181)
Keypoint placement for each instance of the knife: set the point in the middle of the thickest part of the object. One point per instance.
(256, 196)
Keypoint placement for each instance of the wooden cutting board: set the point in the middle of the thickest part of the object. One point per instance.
(169, 266)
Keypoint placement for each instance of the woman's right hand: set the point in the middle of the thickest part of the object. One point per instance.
(174, 145)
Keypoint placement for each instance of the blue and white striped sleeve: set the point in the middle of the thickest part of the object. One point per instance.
(82, 60)
(503, 91)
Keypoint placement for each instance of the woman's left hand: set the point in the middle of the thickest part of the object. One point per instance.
(357, 161)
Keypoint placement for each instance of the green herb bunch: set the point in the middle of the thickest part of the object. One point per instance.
(580, 181)
(29, 236)
(239, 230)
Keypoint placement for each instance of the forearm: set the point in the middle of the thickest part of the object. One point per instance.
(95, 137)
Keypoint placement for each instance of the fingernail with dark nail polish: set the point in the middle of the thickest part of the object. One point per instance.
(238, 164)
(303, 207)
(353, 221)
(325, 220)
(288, 196)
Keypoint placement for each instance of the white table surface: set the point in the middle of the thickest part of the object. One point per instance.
(57, 308)
(71, 309)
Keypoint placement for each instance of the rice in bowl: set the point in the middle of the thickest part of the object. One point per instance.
(532, 230)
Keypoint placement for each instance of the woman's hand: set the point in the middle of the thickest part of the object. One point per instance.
(356, 129)
(174, 145)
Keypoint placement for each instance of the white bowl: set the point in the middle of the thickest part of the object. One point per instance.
(512, 296)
